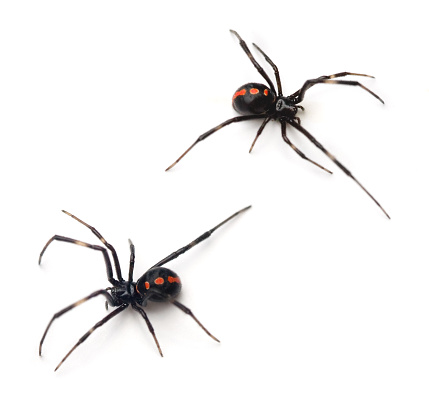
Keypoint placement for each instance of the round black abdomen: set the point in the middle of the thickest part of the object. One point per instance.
(161, 283)
(253, 98)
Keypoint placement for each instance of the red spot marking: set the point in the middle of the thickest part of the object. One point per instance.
(238, 93)
(159, 281)
(254, 91)
(266, 92)
(146, 285)
(172, 279)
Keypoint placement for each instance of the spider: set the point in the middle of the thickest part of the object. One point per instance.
(157, 284)
(257, 101)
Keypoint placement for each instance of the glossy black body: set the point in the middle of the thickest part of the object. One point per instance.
(157, 284)
(268, 104)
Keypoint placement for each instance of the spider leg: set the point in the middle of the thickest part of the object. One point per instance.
(276, 70)
(199, 239)
(132, 259)
(328, 79)
(186, 310)
(254, 62)
(332, 157)
(110, 247)
(149, 325)
(213, 130)
(109, 270)
(301, 154)
(87, 334)
(264, 123)
(72, 306)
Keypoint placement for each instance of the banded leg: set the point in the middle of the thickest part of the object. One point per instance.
(87, 334)
(332, 157)
(264, 123)
(109, 246)
(109, 270)
(276, 70)
(254, 62)
(186, 310)
(132, 259)
(199, 239)
(149, 325)
(328, 79)
(299, 152)
(213, 130)
(72, 306)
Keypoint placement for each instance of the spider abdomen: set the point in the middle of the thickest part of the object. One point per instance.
(160, 283)
(253, 98)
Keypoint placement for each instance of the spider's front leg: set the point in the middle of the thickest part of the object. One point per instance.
(298, 96)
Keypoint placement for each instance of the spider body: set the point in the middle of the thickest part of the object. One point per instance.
(258, 101)
(157, 284)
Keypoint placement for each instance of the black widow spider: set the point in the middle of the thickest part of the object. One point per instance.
(257, 101)
(157, 284)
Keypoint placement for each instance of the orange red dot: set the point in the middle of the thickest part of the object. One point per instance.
(172, 279)
(159, 281)
(238, 93)
(254, 91)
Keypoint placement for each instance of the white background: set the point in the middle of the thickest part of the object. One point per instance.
(314, 293)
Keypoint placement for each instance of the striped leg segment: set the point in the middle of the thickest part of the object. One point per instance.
(72, 306)
(186, 310)
(300, 153)
(199, 239)
(87, 334)
(81, 243)
(335, 160)
(330, 79)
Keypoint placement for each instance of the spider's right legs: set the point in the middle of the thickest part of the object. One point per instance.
(199, 239)
(213, 130)
(298, 151)
(112, 280)
(103, 292)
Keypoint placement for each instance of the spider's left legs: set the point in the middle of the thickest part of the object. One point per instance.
(298, 96)
(87, 334)
(186, 310)
(335, 160)
(254, 62)
(72, 306)
(199, 239)
(298, 151)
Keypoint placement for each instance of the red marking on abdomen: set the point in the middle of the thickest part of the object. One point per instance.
(172, 279)
(159, 281)
(266, 92)
(238, 93)
(146, 285)
(254, 91)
